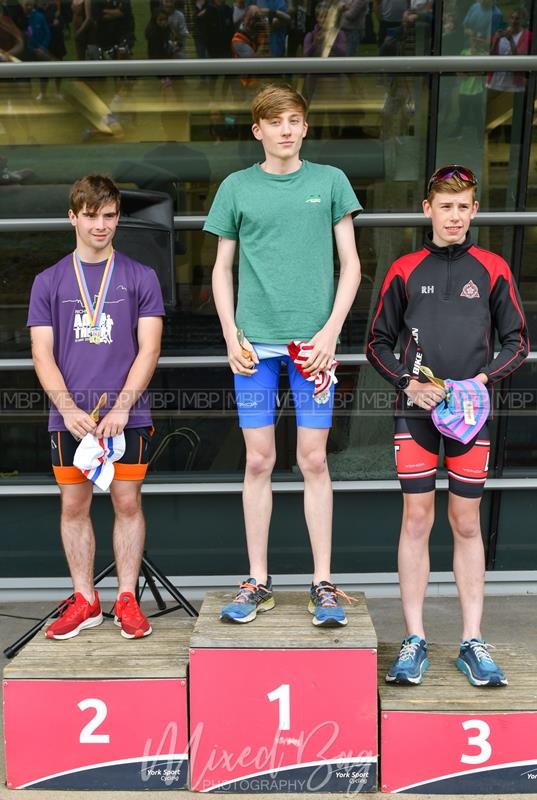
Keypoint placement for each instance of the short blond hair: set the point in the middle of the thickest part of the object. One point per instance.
(453, 185)
(274, 99)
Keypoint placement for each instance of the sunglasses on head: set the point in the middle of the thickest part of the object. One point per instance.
(452, 170)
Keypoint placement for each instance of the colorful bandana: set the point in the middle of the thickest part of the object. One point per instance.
(464, 411)
(94, 457)
(300, 352)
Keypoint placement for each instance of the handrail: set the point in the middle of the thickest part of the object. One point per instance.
(172, 362)
(279, 487)
(269, 66)
(396, 219)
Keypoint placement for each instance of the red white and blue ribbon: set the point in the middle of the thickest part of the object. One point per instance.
(300, 352)
(95, 458)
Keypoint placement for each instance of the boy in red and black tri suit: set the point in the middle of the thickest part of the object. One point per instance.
(440, 307)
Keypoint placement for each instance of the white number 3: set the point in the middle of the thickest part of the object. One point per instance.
(481, 741)
(87, 736)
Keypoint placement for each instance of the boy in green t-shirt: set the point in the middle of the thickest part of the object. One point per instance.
(282, 212)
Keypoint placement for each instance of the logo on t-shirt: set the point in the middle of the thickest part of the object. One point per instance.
(470, 290)
(313, 198)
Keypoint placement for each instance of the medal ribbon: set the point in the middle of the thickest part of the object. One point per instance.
(94, 314)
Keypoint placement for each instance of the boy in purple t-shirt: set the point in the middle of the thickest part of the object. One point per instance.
(96, 326)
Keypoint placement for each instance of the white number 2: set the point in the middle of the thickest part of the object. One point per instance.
(481, 741)
(87, 736)
(283, 695)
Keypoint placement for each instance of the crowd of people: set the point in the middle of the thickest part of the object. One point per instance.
(37, 30)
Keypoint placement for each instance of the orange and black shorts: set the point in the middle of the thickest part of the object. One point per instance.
(132, 466)
(417, 445)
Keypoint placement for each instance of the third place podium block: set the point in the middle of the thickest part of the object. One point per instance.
(99, 711)
(278, 705)
(448, 737)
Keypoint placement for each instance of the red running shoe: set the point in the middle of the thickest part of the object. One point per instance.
(76, 615)
(130, 617)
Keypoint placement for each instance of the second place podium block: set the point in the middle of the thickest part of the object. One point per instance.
(99, 712)
(277, 705)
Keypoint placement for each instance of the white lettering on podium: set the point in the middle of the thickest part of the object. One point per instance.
(87, 735)
(481, 741)
(283, 695)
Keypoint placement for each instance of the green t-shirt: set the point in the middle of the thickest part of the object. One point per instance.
(286, 261)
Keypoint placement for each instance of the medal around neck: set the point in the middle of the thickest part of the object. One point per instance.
(93, 312)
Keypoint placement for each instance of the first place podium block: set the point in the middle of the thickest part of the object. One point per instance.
(278, 705)
(99, 711)
(448, 737)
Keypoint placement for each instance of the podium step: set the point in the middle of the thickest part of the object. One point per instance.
(278, 705)
(288, 625)
(99, 711)
(448, 737)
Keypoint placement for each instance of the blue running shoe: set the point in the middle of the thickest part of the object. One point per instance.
(324, 605)
(479, 667)
(250, 599)
(411, 663)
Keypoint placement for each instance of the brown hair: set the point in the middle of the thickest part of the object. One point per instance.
(272, 100)
(93, 192)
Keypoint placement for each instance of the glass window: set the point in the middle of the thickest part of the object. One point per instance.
(184, 135)
(520, 403)
(480, 124)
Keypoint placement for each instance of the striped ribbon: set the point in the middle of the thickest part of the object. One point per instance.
(94, 314)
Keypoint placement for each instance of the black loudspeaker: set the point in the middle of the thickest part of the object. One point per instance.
(145, 233)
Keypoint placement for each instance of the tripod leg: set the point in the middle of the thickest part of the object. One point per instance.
(153, 588)
(175, 593)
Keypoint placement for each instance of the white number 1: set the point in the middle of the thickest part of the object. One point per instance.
(87, 736)
(481, 741)
(283, 695)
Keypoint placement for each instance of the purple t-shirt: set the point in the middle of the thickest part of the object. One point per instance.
(90, 369)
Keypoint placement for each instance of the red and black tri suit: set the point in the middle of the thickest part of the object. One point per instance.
(441, 306)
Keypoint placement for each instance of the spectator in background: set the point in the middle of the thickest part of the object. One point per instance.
(390, 16)
(279, 19)
(248, 40)
(83, 27)
(472, 97)
(200, 28)
(37, 33)
(57, 17)
(483, 19)
(239, 10)
(15, 11)
(219, 29)
(160, 38)
(297, 27)
(114, 28)
(515, 40)
(353, 23)
(11, 39)
(177, 22)
(326, 39)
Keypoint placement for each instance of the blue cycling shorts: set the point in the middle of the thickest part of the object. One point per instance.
(257, 397)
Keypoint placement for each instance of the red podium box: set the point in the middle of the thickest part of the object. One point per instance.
(448, 737)
(281, 706)
(99, 711)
